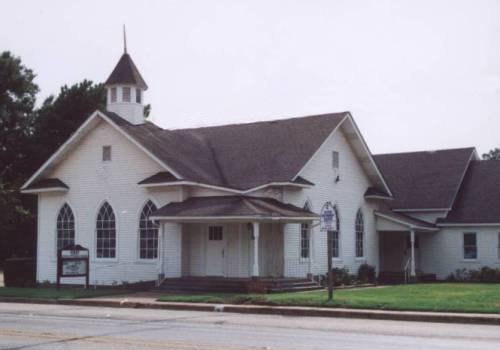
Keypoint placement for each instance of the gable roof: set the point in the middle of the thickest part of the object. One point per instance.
(126, 72)
(238, 156)
(425, 180)
(231, 207)
(405, 220)
(478, 199)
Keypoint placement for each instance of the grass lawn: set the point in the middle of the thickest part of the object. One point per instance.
(453, 297)
(53, 293)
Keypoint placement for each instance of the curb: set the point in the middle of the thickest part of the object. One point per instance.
(484, 319)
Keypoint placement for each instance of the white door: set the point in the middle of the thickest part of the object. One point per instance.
(215, 251)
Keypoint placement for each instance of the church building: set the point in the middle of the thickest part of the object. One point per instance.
(256, 202)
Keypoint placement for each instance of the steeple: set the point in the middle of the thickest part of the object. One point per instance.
(125, 89)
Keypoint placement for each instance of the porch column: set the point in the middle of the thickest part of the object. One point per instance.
(256, 233)
(412, 267)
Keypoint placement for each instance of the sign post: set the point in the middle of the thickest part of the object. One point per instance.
(73, 261)
(327, 220)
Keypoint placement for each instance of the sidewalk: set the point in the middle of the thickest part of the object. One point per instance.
(148, 301)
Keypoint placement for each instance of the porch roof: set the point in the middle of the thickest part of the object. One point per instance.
(404, 221)
(232, 208)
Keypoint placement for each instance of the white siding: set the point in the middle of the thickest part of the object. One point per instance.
(347, 195)
(442, 252)
(91, 182)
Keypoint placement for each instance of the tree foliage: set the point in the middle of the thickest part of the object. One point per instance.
(28, 136)
(493, 154)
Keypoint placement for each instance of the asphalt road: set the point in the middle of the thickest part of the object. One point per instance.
(28, 326)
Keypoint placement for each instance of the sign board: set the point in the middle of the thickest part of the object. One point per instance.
(73, 261)
(327, 217)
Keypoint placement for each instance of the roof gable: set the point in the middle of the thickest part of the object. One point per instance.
(425, 180)
(478, 198)
(239, 156)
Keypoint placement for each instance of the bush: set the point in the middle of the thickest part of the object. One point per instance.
(341, 277)
(367, 274)
(19, 272)
(485, 274)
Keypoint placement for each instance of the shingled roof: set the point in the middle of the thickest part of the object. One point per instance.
(232, 207)
(478, 199)
(424, 180)
(239, 156)
(126, 72)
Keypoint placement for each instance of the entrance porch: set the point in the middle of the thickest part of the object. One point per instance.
(234, 242)
(400, 248)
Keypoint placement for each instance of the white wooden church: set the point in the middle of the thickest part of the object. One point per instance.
(248, 202)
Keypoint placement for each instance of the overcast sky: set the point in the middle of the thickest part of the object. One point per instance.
(415, 74)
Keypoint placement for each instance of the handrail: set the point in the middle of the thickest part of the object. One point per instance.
(405, 269)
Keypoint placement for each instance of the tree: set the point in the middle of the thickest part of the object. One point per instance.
(493, 154)
(17, 100)
(60, 116)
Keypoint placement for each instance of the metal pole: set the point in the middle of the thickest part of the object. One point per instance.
(330, 257)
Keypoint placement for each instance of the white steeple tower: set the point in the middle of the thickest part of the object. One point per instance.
(125, 89)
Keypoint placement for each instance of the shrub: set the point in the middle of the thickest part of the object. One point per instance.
(19, 272)
(484, 274)
(342, 277)
(367, 274)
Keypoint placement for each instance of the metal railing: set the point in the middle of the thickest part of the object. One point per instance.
(406, 269)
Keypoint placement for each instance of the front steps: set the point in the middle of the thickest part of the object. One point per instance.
(188, 285)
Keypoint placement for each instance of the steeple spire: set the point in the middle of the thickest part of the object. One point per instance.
(124, 40)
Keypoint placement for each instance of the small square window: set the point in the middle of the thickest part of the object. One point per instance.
(215, 233)
(335, 160)
(125, 94)
(106, 153)
(113, 94)
(138, 96)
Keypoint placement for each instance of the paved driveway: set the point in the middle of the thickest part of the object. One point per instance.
(25, 326)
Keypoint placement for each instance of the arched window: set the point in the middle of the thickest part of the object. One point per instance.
(305, 237)
(106, 233)
(65, 227)
(336, 235)
(148, 233)
(360, 234)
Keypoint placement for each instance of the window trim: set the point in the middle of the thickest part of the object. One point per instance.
(104, 148)
(74, 226)
(94, 253)
(305, 227)
(129, 89)
(463, 246)
(335, 159)
(339, 235)
(113, 94)
(221, 232)
(138, 95)
(359, 214)
(147, 260)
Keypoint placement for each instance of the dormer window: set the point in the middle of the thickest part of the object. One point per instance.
(113, 94)
(138, 96)
(125, 94)
(106, 153)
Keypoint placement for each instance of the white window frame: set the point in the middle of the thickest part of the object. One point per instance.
(138, 95)
(113, 94)
(335, 160)
(57, 224)
(115, 258)
(106, 153)
(305, 236)
(464, 246)
(357, 223)
(129, 94)
(141, 230)
(337, 230)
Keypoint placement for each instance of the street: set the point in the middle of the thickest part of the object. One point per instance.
(31, 326)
